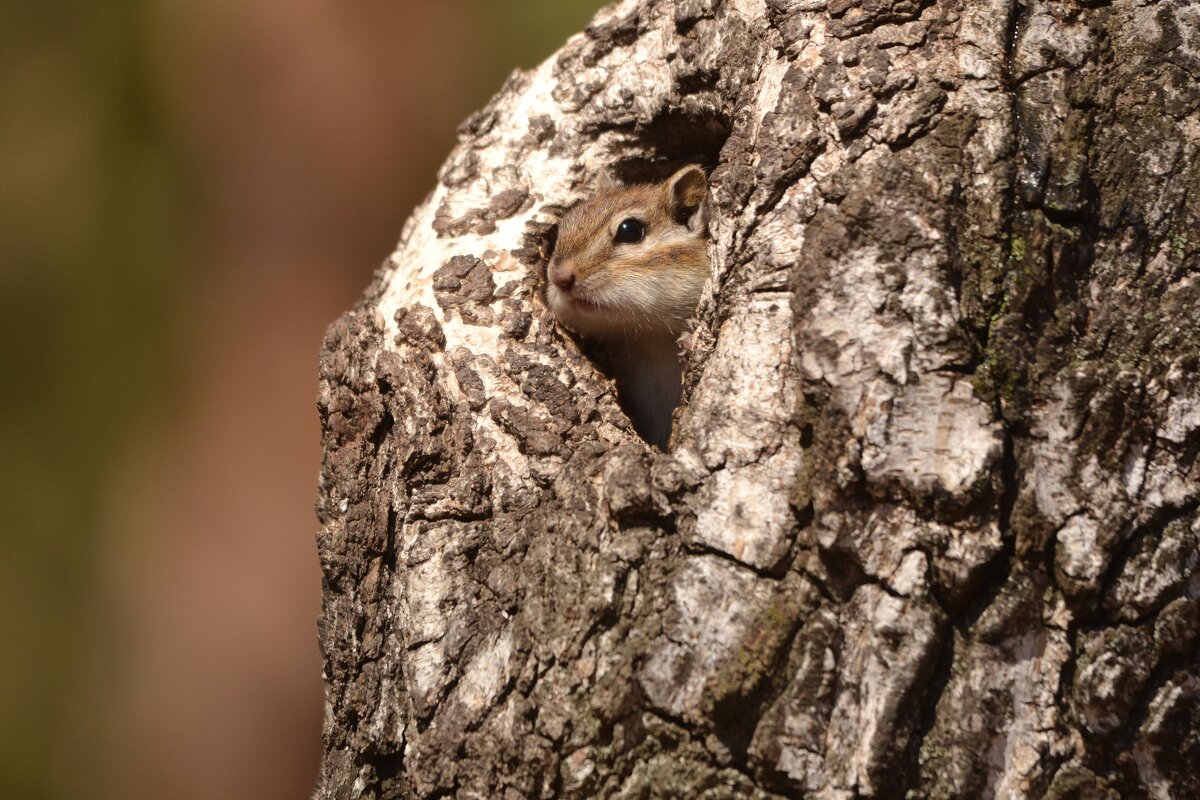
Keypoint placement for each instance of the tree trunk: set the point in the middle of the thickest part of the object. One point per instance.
(929, 523)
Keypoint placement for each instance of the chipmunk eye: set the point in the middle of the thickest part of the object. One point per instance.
(630, 231)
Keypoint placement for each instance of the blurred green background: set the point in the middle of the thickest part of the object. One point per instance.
(189, 194)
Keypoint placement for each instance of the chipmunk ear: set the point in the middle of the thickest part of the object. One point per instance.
(687, 194)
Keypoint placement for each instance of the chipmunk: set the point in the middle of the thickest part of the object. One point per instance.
(626, 273)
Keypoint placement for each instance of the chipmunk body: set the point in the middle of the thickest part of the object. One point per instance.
(627, 272)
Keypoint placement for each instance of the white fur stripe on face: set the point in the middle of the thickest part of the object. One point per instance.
(638, 303)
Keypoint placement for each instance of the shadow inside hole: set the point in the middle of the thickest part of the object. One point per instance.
(673, 139)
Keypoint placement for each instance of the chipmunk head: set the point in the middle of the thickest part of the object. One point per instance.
(632, 261)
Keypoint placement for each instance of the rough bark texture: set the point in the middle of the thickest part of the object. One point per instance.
(929, 525)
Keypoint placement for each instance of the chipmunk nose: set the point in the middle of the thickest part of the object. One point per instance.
(563, 276)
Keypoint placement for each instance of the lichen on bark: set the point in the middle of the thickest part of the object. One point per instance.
(929, 523)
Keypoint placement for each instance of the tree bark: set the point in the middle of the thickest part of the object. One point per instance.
(928, 526)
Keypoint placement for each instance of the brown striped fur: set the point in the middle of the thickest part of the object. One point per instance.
(635, 298)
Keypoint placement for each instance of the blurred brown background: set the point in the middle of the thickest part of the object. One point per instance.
(189, 194)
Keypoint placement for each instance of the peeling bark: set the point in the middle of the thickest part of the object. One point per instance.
(929, 523)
